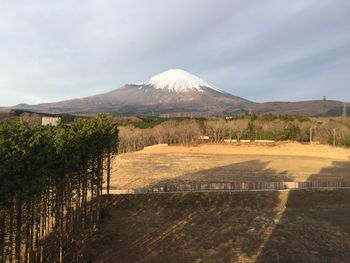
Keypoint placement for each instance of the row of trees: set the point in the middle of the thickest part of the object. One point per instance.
(278, 129)
(51, 185)
(170, 132)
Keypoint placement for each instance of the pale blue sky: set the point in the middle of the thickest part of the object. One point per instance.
(260, 50)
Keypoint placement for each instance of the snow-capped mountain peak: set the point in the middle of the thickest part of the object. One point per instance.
(177, 80)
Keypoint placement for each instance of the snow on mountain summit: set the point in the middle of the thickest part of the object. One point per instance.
(177, 80)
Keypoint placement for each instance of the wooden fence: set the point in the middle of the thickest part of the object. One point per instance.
(234, 186)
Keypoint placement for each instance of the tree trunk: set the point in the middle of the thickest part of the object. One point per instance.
(27, 233)
(108, 171)
(31, 249)
(11, 236)
(2, 235)
(18, 226)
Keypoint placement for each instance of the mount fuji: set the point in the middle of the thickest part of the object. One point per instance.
(176, 92)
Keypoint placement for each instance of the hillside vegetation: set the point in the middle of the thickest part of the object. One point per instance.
(138, 132)
(144, 132)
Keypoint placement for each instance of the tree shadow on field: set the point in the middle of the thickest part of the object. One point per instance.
(271, 226)
(192, 227)
(315, 225)
(339, 171)
(249, 171)
(185, 227)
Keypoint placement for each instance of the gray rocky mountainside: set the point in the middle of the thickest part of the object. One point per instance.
(177, 93)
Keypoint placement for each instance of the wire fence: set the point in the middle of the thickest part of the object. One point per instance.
(234, 186)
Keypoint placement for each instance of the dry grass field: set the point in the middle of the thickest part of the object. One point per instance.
(298, 226)
(277, 162)
(294, 226)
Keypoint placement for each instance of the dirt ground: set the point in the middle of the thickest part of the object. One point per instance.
(210, 162)
(297, 226)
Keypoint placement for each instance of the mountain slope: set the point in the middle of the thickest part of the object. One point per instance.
(173, 91)
(310, 108)
(178, 92)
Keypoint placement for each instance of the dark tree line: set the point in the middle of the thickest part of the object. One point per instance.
(51, 182)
